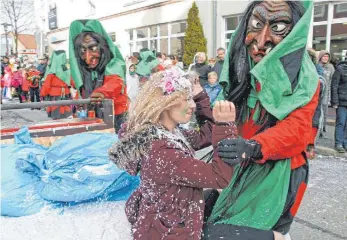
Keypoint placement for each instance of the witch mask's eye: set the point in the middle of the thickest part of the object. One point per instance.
(83, 50)
(94, 49)
(278, 27)
(256, 24)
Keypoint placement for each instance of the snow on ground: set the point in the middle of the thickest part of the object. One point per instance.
(97, 221)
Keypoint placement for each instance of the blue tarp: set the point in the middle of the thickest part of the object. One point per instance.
(74, 169)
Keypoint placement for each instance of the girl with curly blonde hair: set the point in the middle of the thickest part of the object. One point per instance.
(169, 202)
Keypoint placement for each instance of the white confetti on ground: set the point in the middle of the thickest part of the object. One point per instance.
(97, 221)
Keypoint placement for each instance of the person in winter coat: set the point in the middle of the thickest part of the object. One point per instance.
(43, 65)
(34, 88)
(18, 82)
(219, 64)
(25, 85)
(55, 85)
(133, 83)
(8, 79)
(202, 68)
(324, 61)
(195, 60)
(2, 87)
(211, 62)
(339, 101)
(169, 202)
(318, 117)
(270, 78)
(212, 88)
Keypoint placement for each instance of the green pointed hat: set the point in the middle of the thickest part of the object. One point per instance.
(147, 62)
(286, 63)
(115, 66)
(57, 66)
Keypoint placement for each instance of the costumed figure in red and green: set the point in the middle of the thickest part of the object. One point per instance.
(273, 83)
(55, 85)
(97, 68)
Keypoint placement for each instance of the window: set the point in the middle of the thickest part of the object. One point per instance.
(338, 41)
(340, 10)
(154, 45)
(142, 44)
(142, 33)
(319, 37)
(166, 38)
(164, 31)
(231, 24)
(321, 13)
(336, 20)
(131, 35)
(131, 46)
(164, 46)
(153, 31)
(177, 46)
(177, 28)
(112, 36)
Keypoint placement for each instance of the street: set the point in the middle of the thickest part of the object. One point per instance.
(323, 213)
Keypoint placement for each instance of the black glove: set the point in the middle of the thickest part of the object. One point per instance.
(234, 151)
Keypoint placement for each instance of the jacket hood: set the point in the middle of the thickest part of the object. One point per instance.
(57, 66)
(128, 152)
(322, 53)
(131, 149)
(116, 66)
(287, 76)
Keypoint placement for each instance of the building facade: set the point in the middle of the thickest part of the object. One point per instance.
(160, 24)
(27, 46)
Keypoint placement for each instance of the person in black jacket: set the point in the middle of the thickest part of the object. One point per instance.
(339, 101)
(202, 68)
(219, 64)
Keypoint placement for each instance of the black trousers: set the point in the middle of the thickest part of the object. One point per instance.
(19, 93)
(35, 92)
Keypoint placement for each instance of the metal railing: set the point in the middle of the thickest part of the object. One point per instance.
(12, 106)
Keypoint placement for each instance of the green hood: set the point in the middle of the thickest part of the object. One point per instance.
(148, 61)
(57, 66)
(115, 67)
(287, 62)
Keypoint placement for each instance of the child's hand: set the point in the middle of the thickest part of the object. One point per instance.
(196, 86)
(224, 111)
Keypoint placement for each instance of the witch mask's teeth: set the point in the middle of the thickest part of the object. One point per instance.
(267, 51)
(255, 48)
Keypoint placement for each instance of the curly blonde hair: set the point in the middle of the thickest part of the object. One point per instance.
(151, 102)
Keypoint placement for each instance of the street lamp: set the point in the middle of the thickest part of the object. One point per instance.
(5, 25)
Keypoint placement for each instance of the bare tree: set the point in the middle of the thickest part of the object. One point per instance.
(20, 14)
